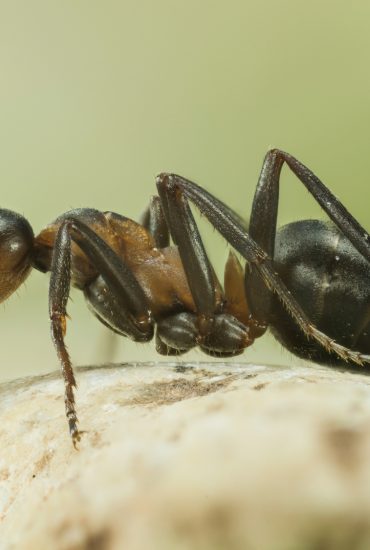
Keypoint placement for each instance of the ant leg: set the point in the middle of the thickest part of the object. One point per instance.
(185, 235)
(265, 204)
(181, 190)
(216, 332)
(154, 221)
(117, 276)
(181, 332)
(178, 333)
(262, 226)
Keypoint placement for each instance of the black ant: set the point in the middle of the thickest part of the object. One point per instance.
(308, 281)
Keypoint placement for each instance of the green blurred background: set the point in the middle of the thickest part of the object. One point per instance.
(98, 97)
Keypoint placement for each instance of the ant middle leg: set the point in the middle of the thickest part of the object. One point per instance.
(214, 331)
(217, 334)
(181, 190)
(180, 332)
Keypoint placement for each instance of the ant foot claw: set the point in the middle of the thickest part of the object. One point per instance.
(75, 435)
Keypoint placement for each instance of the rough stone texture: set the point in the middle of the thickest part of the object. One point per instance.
(188, 457)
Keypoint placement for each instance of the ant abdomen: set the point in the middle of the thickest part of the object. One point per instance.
(317, 263)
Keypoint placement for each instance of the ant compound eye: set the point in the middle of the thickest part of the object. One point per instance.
(16, 242)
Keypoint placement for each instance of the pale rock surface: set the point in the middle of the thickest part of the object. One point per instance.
(185, 457)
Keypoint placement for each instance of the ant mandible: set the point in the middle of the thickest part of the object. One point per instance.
(308, 281)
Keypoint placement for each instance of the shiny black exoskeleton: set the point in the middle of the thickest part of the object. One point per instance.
(330, 278)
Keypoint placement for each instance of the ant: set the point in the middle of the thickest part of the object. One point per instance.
(308, 281)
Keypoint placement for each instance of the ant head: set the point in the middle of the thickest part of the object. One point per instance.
(16, 243)
(16, 239)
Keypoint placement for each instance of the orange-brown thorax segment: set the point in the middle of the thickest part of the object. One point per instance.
(159, 271)
(236, 301)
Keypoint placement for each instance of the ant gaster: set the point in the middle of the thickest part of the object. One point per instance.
(309, 281)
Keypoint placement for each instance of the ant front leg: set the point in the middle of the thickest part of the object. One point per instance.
(135, 318)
